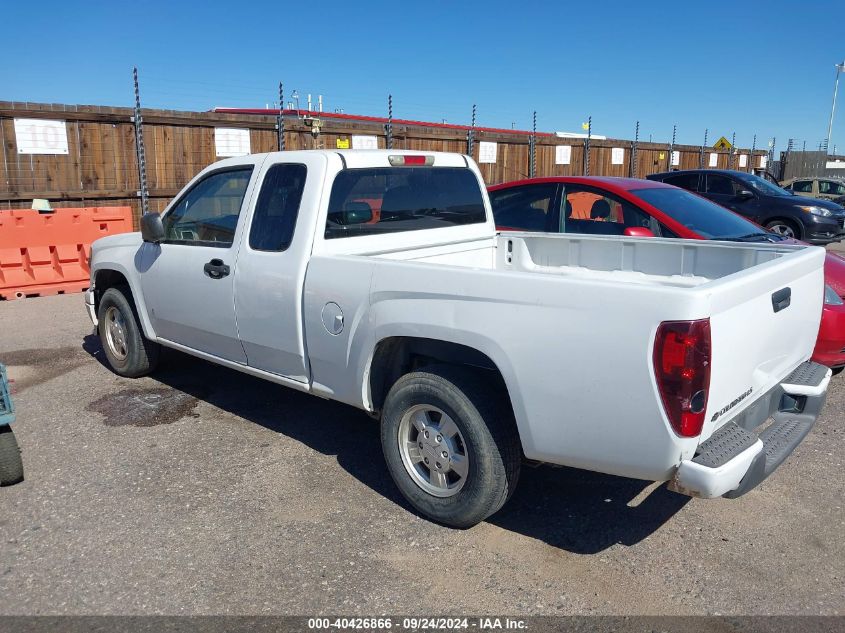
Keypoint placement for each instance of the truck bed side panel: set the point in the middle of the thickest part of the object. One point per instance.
(578, 376)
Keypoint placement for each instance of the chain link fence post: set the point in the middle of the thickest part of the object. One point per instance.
(389, 126)
(753, 147)
(139, 147)
(280, 121)
(471, 134)
(634, 149)
(732, 155)
(532, 149)
(672, 147)
(701, 151)
(587, 146)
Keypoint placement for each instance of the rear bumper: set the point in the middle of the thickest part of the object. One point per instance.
(745, 451)
(90, 306)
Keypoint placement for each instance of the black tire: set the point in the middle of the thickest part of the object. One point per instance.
(837, 370)
(142, 354)
(797, 230)
(11, 465)
(478, 405)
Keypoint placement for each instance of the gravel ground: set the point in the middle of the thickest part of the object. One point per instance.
(204, 491)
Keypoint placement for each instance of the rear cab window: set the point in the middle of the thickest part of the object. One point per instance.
(378, 200)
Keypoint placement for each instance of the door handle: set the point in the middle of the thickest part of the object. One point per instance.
(216, 269)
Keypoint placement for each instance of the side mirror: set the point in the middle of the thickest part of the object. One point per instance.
(744, 194)
(152, 230)
(637, 231)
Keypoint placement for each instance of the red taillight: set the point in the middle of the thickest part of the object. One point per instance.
(682, 368)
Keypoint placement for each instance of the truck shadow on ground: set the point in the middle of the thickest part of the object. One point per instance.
(575, 510)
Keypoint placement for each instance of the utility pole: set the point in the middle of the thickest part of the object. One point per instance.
(839, 69)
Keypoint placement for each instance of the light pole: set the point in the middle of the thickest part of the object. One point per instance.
(839, 69)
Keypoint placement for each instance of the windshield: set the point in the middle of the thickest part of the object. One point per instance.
(761, 185)
(698, 214)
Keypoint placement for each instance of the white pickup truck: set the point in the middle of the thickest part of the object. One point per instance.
(377, 278)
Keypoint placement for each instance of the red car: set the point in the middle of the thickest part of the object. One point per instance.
(645, 208)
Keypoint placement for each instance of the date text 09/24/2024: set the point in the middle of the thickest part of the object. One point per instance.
(417, 623)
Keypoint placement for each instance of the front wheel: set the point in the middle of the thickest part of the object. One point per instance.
(11, 465)
(785, 228)
(128, 351)
(450, 443)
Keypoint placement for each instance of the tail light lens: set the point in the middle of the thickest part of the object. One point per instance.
(682, 368)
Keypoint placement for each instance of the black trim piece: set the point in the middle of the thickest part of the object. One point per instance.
(342, 160)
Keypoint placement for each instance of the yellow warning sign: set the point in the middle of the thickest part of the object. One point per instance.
(343, 143)
(662, 156)
(722, 143)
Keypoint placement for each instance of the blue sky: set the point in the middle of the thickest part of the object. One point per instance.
(764, 68)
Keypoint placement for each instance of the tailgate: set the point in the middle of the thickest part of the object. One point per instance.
(764, 323)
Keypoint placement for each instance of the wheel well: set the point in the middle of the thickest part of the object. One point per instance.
(396, 356)
(104, 280)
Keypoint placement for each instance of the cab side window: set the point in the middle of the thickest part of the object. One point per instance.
(523, 208)
(277, 208)
(802, 186)
(208, 214)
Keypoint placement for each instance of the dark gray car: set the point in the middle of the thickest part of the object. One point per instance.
(812, 220)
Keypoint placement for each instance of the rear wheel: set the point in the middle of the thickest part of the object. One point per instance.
(450, 443)
(11, 465)
(785, 228)
(128, 351)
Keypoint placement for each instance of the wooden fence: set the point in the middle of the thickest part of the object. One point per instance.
(101, 166)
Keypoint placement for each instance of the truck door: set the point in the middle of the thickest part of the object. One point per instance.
(270, 272)
(187, 280)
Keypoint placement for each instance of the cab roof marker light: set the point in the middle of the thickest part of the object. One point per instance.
(403, 160)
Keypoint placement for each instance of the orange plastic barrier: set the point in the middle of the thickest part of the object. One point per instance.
(47, 254)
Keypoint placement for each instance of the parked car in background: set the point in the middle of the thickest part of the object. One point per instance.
(627, 206)
(780, 211)
(825, 188)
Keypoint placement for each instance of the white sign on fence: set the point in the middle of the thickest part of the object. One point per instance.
(714, 159)
(487, 152)
(563, 155)
(40, 136)
(231, 141)
(676, 158)
(617, 156)
(764, 160)
(743, 160)
(364, 142)
(835, 164)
